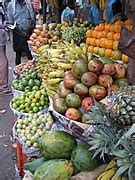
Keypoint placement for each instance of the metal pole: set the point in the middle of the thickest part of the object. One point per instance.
(44, 10)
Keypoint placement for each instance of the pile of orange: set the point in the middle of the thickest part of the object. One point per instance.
(103, 39)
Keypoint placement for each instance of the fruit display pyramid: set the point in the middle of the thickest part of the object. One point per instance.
(103, 39)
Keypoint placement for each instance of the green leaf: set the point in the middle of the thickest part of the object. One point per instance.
(122, 169)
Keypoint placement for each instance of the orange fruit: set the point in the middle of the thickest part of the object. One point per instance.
(97, 42)
(102, 42)
(109, 44)
(115, 45)
(110, 35)
(101, 27)
(117, 28)
(116, 36)
(124, 58)
(108, 52)
(95, 50)
(88, 40)
(112, 28)
(94, 34)
(92, 41)
(104, 34)
(99, 34)
(90, 49)
(89, 33)
(107, 27)
(96, 28)
(119, 23)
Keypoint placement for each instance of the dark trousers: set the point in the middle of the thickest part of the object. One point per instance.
(19, 54)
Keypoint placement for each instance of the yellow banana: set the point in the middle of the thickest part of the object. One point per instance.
(78, 49)
(84, 57)
(101, 175)
(54, 59)
(116, 177)
(55, 55)
(65, 66)
(52, 51)
(111, 165)
(54, 81)
(84, 49)
(109, 174)
(56, 74)
(50, 92)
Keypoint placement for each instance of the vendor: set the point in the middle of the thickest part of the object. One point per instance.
(68, 13)
(94, 13)
(127, 41)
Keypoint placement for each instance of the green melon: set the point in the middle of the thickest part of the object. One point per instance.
(57, 169)
(56, 145)
(82, 158)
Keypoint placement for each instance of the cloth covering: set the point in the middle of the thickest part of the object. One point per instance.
(67, 15)
(127, 46)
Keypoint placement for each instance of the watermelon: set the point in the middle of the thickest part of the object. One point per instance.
(56, 169)
(56, 144)
(82, 158)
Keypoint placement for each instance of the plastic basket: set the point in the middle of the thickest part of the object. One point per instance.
(18, 114)
(16, 93)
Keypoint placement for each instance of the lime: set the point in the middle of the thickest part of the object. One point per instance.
(35, 109)
(34, 100)
(27, 109)
(31, 97)
(34, 75)
(21, 107)
(35, 88)
(27, 104)
(30, 112)
(37, 82)
(32, 105)
(14, 106)
(31, 83)
(38, 95)
(27, 77)
(20, 87)
(24, 82)
(40, 108)
(42, 103)
(17, 103)
(42, 98)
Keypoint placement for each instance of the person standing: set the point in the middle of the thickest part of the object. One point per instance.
(21, 12)
(68, 13)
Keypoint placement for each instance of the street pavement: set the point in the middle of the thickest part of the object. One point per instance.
(7, 152)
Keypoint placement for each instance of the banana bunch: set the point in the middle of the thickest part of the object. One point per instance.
(110, 173)
(102, 4)
(55, 60)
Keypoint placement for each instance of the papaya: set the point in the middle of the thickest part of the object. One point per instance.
(33, 165)
(56, 144)
(57, 169)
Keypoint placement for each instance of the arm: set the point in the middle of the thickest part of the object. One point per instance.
(2, 26)
(10, 13)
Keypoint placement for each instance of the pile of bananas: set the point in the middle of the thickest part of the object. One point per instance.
(53, 61)
(110, 173)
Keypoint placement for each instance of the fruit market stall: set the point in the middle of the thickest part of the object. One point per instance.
(70, 101)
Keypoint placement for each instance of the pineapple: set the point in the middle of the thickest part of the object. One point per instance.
(123, 105)
(124, 153)
(104, 137)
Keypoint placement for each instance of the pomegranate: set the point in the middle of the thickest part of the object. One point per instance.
(98, 92)
(108, 69)
(73, 114)
(105, 80)
(95, 65)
